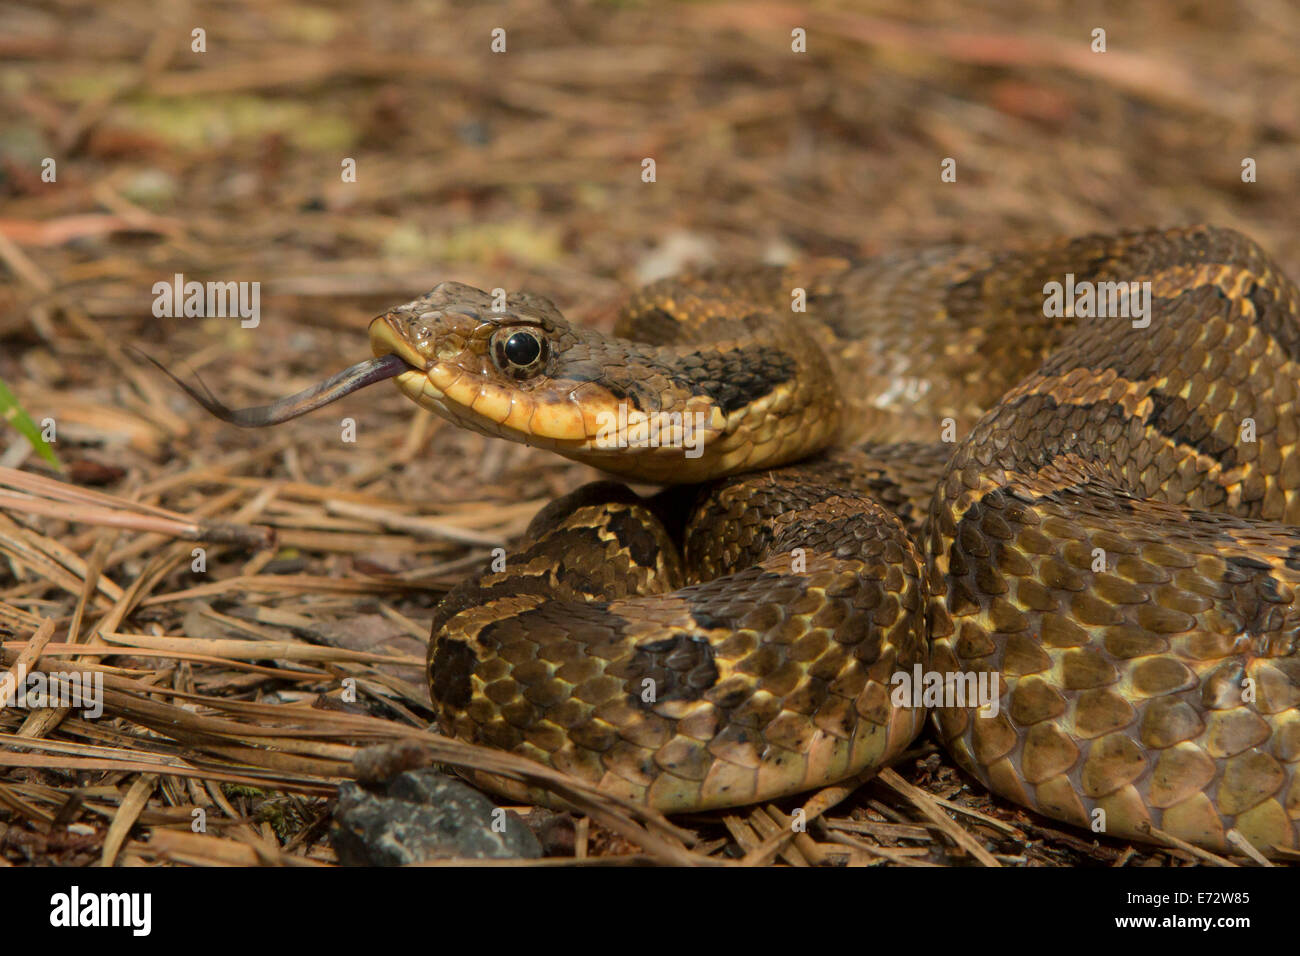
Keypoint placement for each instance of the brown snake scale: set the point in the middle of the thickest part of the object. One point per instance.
(1111, 539)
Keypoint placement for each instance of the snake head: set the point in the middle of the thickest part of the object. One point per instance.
(479, 360)
(512, 366)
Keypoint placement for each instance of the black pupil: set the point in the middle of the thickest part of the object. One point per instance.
(523, 349)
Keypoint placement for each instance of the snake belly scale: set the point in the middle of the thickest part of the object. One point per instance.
(1110, 538)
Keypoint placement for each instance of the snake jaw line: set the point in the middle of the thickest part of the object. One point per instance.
(452, 346)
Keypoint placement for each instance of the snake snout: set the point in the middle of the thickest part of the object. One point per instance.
(402, 333)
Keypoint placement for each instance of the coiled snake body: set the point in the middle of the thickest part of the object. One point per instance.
(1107, 544)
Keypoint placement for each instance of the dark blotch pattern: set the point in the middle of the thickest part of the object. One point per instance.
(1255, 605)
(681, 667)
(631, 534)
(1293, 557)
(736, 377)
(708, 612)
(1275, 318)
(449, 673)
(1173, 418)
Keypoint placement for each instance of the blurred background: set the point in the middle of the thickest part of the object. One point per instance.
(133, 148)
(523, 168)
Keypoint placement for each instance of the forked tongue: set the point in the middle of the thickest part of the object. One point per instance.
(333, 388)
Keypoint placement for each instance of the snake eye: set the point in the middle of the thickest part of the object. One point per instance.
(522, 349)
(519, 352)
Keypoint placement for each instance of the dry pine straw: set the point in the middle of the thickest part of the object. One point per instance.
(222, 688)
(122, 789)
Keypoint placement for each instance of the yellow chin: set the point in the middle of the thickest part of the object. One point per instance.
(493, 409)
(667, 447)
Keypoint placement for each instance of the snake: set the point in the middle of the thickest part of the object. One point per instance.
(1045, 495)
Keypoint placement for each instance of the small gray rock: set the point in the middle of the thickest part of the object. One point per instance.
(424, 815)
